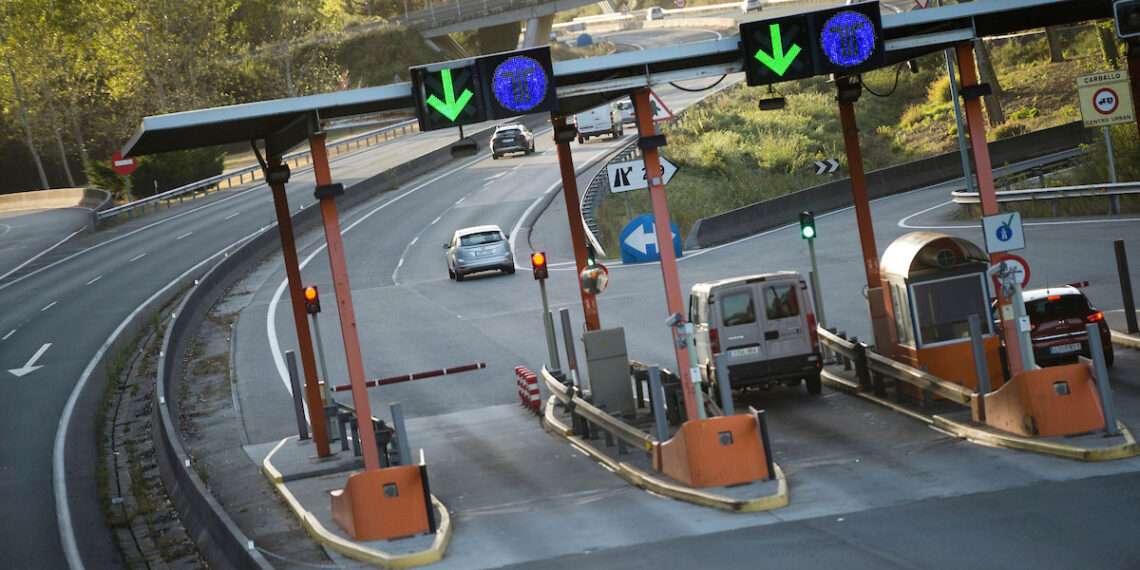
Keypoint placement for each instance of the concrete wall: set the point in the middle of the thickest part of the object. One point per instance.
(755, 218)
(89, 198)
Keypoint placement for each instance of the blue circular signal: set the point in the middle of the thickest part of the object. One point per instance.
(848, 38)
(520, 83)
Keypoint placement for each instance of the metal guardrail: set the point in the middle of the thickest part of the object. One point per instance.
(1059, 192)
(596, 416)
(592, 197)
(454, 12)
(871, 368)
(226, 180)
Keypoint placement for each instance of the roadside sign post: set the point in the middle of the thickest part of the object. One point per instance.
(1106, 99)
(649, 142)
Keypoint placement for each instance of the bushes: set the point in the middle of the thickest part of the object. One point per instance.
(169, 170)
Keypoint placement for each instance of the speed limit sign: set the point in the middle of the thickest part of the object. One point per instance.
(1106, 98)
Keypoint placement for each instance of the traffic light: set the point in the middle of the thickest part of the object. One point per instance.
(1127, 15)
(538, 264)
(807, 225)
(312, 300)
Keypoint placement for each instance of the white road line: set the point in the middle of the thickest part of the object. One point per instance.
(460, 201)
(48, 306)
(232, 216)
(414, 240)
(58, 457)
(35, 257)
(436, 220)
(185, 235)
(6, 227)
(94, 280)
(10, 333)
(136, 258)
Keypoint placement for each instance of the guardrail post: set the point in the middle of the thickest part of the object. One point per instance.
(1096, 349)
(657, 401)
(862, 373)
(295, 384)
(1125, 286)
(980, 366)
(568, 340)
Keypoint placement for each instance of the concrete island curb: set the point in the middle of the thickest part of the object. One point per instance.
(351, 549)
(649, 482)
(1124, 339)
(983, 436)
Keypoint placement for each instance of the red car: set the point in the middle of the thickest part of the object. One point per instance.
(1058, 316)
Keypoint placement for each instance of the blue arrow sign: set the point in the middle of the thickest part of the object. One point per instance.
(639, 240)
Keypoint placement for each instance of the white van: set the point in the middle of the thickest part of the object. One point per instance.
(596, 122)
(765, 327)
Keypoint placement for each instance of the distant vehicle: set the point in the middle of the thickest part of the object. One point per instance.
(1057, 319)
(597, 122)
(765, 327)
(749, 5)
(478, 248)
(625, 111)
(654, 13)
(511, 138)
(584, 40)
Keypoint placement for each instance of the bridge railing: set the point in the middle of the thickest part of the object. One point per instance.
(238, 177)
(454, 12)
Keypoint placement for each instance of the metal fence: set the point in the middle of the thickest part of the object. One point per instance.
(1056, 193)
(454, 12)
(248, 174)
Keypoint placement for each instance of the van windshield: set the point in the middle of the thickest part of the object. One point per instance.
(736, 309)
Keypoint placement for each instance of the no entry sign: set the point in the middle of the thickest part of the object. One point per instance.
(123, 166)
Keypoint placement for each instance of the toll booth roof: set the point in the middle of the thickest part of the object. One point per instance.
(919, 252)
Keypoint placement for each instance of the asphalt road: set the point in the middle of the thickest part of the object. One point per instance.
(26, 234)
(60, 310)
(522, 499)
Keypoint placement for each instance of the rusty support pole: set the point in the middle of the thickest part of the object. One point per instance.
(674, 301)
(327, 192)
(980, 150)
(574, 216)
(876, 293)
(297, 301)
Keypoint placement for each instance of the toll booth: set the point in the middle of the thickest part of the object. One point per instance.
(936, 282)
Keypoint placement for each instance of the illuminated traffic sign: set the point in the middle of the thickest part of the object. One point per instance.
(447, 95)
(496, 86)
(839, 40)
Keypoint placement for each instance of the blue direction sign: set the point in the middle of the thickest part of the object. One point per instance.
(639, 240)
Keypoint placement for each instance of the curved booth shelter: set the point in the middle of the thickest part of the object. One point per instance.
(936, 282)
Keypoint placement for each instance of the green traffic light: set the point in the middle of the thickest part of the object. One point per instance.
(808, 232)
(450, 106)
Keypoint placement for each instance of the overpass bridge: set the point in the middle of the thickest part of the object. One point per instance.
(498, 22)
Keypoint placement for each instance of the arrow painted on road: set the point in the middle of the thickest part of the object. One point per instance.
(450, 106)
(779, 61)
(31, 366)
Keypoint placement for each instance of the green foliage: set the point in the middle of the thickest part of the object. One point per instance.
(1093, 168)
(173, 169)
(1010, 129)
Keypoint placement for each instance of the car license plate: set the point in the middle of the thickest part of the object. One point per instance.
(1065, 348)
(744, 351)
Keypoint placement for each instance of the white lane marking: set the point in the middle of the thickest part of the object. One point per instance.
(905, 222)
(91, 282)
(271, 330)
(460, 201)
(31, 365)
(48, 306)
(232, 216)
(136, 258)
(414, 240)
(6, 227)
(496, 176)
(436, 220)
(9, 335)
(35, 257)
(183, 236)
(58, 463)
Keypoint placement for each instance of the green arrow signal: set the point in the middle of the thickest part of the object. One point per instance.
(449, 107)
(778, 61)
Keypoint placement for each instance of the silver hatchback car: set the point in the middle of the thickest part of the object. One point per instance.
(478, 248)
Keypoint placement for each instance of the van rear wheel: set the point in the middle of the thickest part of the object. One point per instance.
(814, 384)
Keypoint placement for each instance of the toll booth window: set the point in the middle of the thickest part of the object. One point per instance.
(942, 308)
(736, 309)
(780, 302)
(902, 315)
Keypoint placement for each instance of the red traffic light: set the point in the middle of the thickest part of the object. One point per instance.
(538, 264)
(312, 300)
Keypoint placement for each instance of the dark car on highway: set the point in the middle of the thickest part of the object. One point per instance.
(1057, 317)
(511, 138)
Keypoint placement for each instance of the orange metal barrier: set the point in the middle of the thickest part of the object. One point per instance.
(715, 452)
(1054, 401)
(382, 504)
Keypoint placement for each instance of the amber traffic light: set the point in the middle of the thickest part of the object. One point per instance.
(538, 263)
(312, 300)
